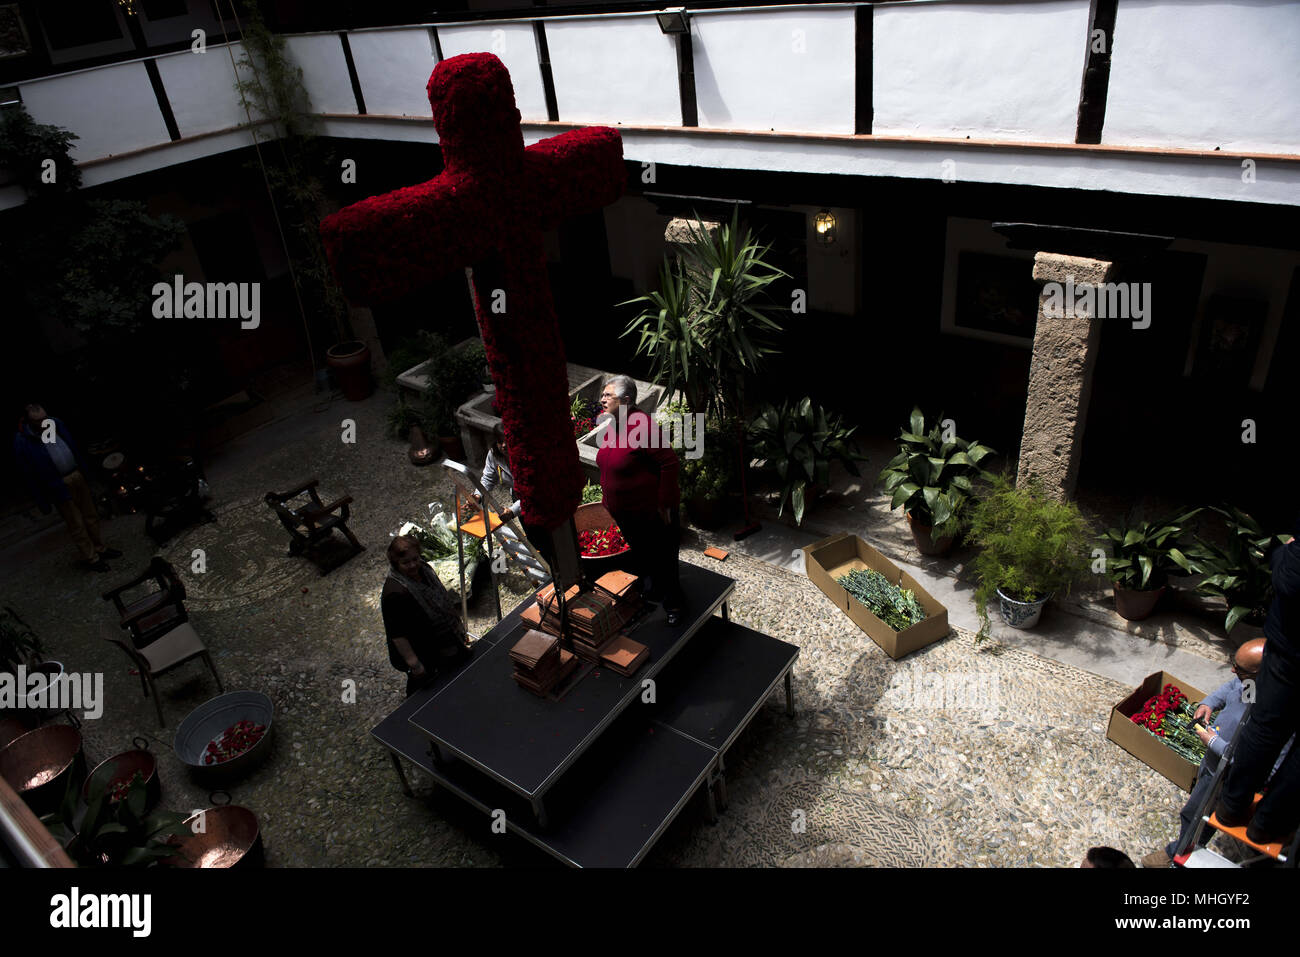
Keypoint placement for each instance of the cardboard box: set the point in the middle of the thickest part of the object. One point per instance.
(826, 560)
(1141, 743)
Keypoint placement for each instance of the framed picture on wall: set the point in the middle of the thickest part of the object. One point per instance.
(1231, 329)
(996, 294)
(989, 291)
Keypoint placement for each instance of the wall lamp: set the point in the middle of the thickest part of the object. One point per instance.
(673, 21)
(824, 226)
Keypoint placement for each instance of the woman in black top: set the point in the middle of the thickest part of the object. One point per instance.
(425, 633)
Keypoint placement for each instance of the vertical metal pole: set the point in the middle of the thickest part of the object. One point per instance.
(460, 554)
(487, 539)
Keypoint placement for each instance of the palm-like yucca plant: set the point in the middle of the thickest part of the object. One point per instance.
(1239, 572)
(1144, 554)
(799, 442)
(933, 477)
(709, 326)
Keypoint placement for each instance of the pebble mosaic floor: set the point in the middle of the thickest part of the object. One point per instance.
(1012, 768)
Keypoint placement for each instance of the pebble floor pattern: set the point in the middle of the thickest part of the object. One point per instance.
(875, 768)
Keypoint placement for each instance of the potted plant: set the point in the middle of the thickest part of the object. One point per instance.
(18, 643)
(798, 442)
(1143, 555)
(1031, 547)
(932, 479)
(116, 831)
(1239, 571)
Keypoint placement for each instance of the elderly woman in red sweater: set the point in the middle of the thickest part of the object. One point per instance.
(638, 476)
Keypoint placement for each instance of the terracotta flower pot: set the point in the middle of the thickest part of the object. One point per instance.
(925, 544)
(351, 364)
(1134, 605)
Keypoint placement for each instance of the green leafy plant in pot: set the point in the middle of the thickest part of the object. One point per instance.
(1142, 557)
(798, 441)
(1030, 548)
(1239, 571)
(18, 643)
(115, 833)
(932, 478)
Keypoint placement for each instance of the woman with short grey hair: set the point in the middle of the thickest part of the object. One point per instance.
(624, 389)
(638, 480)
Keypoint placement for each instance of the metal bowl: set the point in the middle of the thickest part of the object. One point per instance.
(11, 729)
(230, 837)
(122, 767)
(209, 719)
(40, 764)
(594, 517)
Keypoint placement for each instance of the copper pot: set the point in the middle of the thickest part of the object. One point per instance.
(42, 763)
(230, 836)
(121, 768)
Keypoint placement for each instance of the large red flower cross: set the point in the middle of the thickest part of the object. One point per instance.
(488, 209)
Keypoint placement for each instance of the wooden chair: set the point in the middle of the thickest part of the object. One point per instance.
(169, 651)
(156, 613)
(312, 523)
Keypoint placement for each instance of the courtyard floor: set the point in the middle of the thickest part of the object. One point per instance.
(880, 771)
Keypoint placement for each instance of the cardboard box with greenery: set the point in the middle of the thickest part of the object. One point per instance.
(1140, 742)
(832, 557)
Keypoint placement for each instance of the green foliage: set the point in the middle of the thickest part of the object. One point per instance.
(1238, 572)
(933, 477)
(1144, 554)
(25, 145)
(271, 86)
(592, 492)
(106, 264)
(455, 376)
(112, 834)
(798, 442)
(896, 607)
(709, 327)
(19, 645)
(1030, 545)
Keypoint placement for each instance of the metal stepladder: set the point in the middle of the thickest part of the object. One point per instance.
(1190, 854)
(513, 544)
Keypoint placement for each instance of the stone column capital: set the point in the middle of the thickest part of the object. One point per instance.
(1057, 267)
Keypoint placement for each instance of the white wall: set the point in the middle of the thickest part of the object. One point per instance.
(112, 109)
(514, 45)
(393, 67)
(324, 72)
(622, 70)
(1218, 74)
(1004, 71)
(776, 69)
(201, 89)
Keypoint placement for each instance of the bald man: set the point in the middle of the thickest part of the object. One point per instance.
(1231, 698)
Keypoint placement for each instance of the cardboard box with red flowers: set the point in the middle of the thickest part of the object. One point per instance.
(1138, 741)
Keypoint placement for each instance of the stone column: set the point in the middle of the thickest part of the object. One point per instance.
(1060, 376)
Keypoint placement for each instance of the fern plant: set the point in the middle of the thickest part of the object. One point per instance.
(1031, 546)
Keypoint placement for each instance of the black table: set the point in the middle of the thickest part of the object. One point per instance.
(525, 742)
(616, 773)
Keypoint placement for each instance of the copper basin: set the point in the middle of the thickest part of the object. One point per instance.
(230, 836)
(122, 767)
(37, 765)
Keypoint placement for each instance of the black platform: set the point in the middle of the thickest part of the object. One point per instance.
(614, 769)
